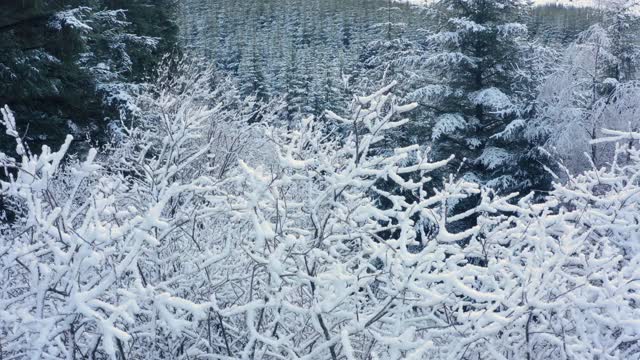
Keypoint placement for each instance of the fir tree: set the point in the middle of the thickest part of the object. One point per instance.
(473, 65)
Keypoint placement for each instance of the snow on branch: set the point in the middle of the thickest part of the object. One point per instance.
(202, 235)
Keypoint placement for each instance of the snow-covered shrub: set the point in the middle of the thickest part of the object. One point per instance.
(104, 257)
(334, 274)
(564, 271)
(203, 235)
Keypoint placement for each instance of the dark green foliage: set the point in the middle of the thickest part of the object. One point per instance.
(65, 66)
(154, 18)
(40, 80)
(475, 53)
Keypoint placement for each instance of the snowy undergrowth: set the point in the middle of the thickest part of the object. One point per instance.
(202, 236)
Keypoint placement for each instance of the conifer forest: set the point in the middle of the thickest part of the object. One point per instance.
(320, 179)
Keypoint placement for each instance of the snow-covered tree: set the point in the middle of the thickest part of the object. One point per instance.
(477, 51)
(102, 259)
(580, 98)
(572, 256)
(622, 23)
(335, 274)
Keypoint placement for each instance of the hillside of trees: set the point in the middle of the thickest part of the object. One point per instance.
(319, 180)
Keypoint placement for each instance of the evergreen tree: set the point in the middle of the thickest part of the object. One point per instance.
(622, 24)
(476, 54)
(68, 66)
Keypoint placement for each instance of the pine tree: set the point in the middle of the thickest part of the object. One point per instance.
(55, 53)
(622, 24)
(473, 64)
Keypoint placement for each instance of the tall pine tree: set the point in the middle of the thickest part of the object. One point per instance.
(474, 61)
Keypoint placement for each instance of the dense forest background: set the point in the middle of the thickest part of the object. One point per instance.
(63, 76)
(78, 68)
(302, 50)
(312, 56)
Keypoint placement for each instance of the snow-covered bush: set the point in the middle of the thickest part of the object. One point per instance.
(565, 270)
(334, 274)
(103, 257)
(204, 235)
